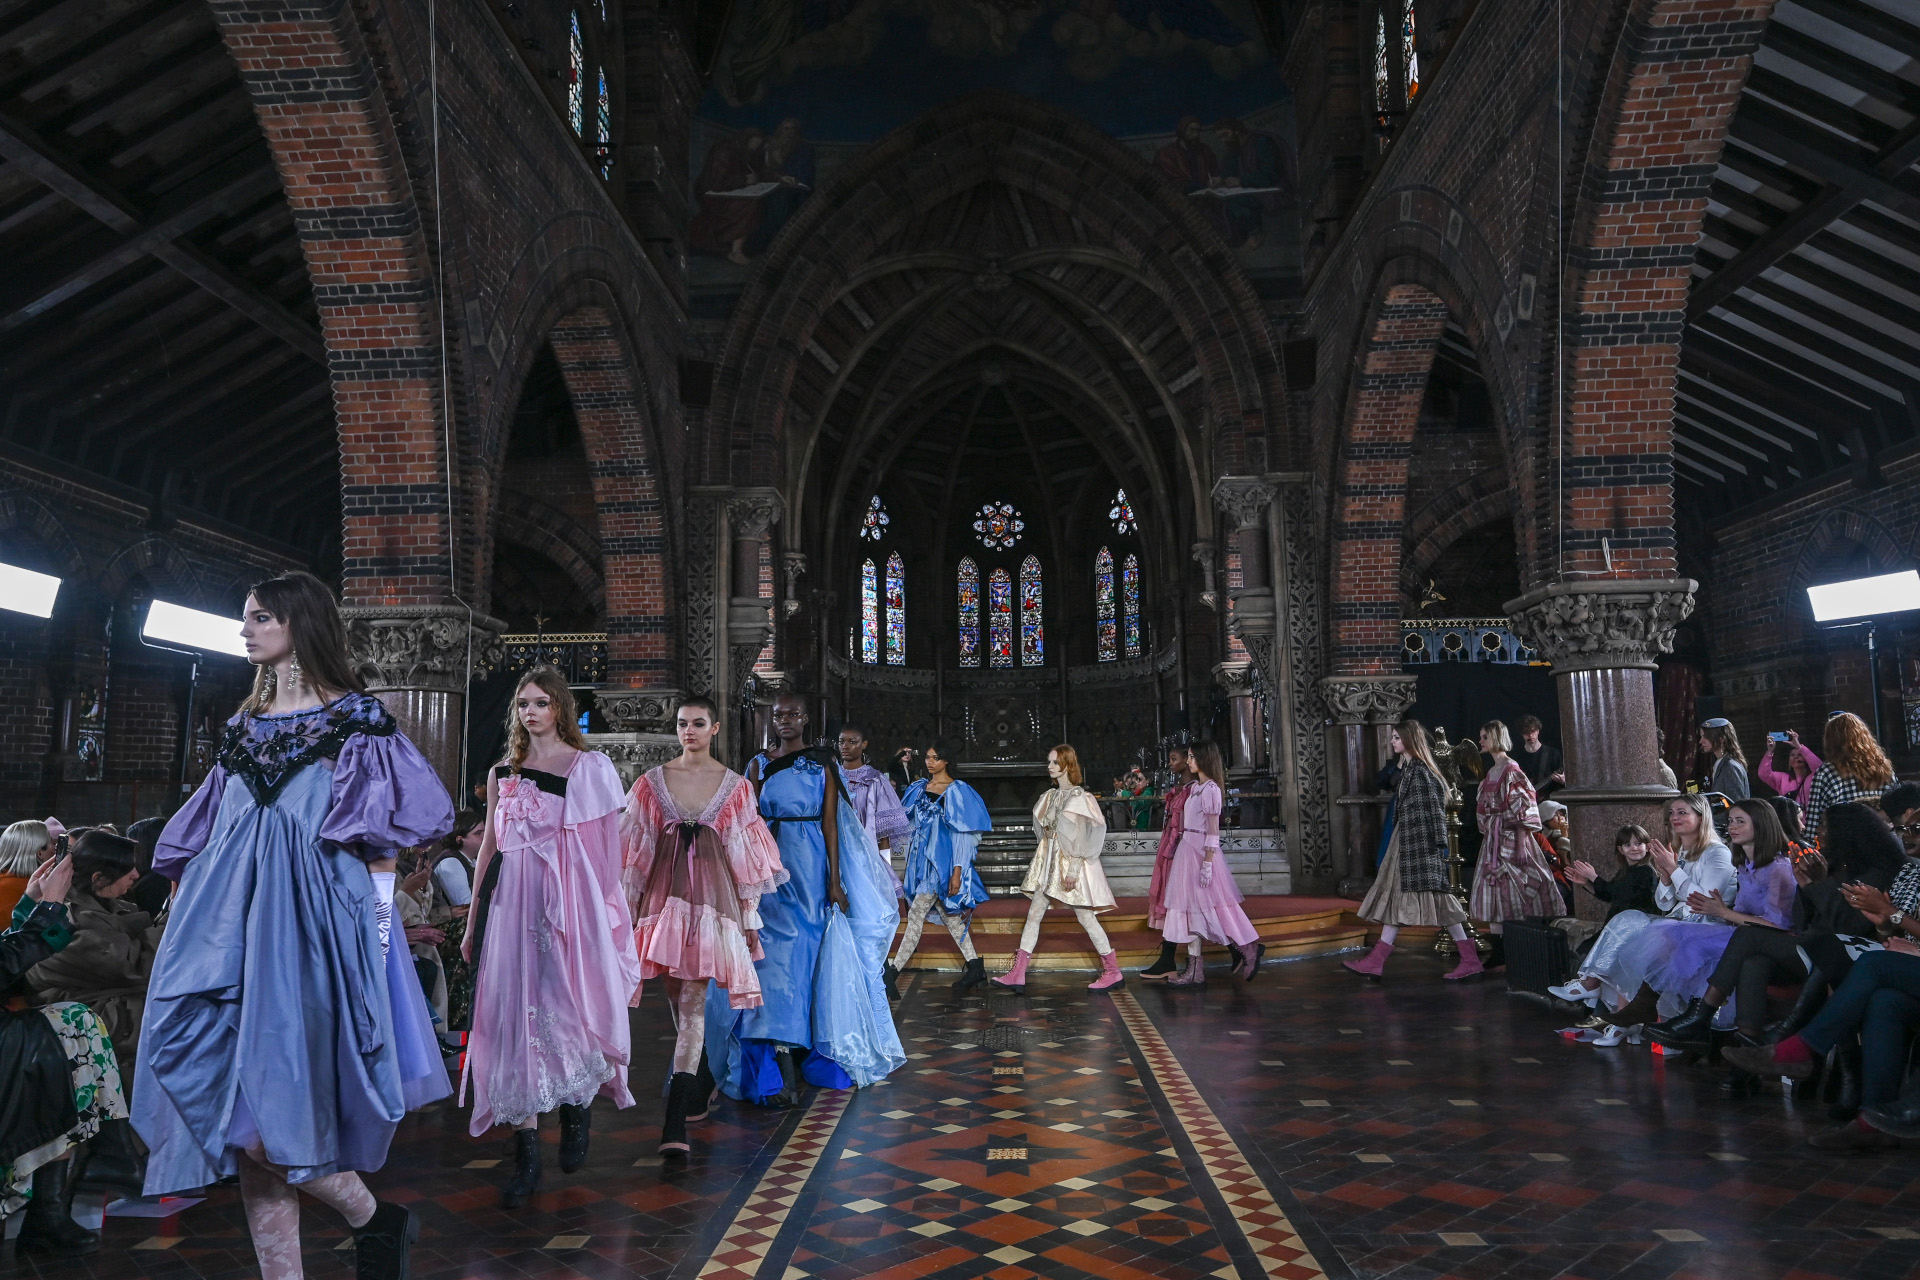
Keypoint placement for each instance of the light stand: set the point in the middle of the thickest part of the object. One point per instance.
(194, 634)
(1870, 601)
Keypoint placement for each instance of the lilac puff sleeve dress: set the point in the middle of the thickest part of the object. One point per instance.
(274, 1020)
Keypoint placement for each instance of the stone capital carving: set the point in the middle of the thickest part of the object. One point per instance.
(1591, 625)
(1369, 699)
(749, 627)
(422, 646)
(1203, 555)
(754, 512)
(637, 710)
(1244, 498)
(1235, 677)
(635, 753)
(793, 565)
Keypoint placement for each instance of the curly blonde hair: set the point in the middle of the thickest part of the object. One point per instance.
(1851, 750)
(566, 715)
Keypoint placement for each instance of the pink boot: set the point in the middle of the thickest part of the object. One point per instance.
(1374, 964)
(1015, 979)
(1110, 975)
(1194, 975)
(1469, 969)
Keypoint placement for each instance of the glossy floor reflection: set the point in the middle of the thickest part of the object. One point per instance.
(1306, 1125)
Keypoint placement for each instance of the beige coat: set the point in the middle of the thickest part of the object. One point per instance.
(1072, 831)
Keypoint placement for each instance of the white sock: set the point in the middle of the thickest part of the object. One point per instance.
(383, 882)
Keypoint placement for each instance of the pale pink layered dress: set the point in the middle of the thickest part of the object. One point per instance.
(556, 967)
(1203, 903)
(695, 881)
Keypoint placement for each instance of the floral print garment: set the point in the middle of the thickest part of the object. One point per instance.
(97, 1096)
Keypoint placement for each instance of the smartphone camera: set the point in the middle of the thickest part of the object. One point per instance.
(1776, 737)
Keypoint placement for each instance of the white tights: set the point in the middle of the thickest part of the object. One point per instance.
(688, 1000)
(273, 1210)
(1388, 932)
(923, 906)
(1088, 921)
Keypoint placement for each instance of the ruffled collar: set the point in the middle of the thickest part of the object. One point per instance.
(266, 751)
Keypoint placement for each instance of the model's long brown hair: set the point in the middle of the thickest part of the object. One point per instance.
(1852, 751)
(1069, 762)
(301, 602)
(566, 715)
(1206, 758)
(1413, 736)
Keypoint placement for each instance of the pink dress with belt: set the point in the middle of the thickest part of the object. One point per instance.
(557, 965)
(1202, 904)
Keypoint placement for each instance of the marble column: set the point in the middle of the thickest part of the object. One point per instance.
(1361, 711)
(1246, 744)
(418, 659)
(1602, 638)
(1254, 620)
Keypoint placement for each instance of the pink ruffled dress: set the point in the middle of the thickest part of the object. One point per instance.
(1202, 903)
(1176, 804)
(556, 969)
(695, 880)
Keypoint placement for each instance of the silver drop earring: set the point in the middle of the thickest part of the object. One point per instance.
(294, 676)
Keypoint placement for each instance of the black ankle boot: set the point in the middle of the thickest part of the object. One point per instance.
(50, 1227)
(575, 1124)
(1691, 1030)
(889, 978)
(1497, 953)
(113, 1163)
(526, 1169)
(1846, 1104)
(1813, 997)
(700, 1102)
(1166, 964)
(974, 975)
(673, 1130)
(381, 1248)
(795, 1087)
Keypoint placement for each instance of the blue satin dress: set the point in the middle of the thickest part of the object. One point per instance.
(946, 834)
(820, 976)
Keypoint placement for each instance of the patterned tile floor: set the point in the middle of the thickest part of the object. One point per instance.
(1308, 1125)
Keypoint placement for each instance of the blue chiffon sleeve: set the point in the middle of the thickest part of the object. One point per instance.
(965, 810)
(385, 797)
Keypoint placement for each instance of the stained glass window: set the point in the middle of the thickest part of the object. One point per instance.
(869, 613)
(1000, 618)
(1382, 72)
(603, 129)
(1122, 513)
(1106, 626)
(969, 577)
(576, 77)
(1130, 602)
(896, 611)
(873, 526)
(1409, 56)
(998, 526)
(1033, 641)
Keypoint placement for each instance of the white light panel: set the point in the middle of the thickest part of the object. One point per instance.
(1866, 597)
(177, 624)
(24, 591)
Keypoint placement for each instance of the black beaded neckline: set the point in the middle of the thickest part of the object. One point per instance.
(266, 752)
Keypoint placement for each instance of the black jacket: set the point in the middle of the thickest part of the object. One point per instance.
(37, 1107)
(1630, 890)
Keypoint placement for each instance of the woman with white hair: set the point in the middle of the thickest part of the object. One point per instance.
(23, 846)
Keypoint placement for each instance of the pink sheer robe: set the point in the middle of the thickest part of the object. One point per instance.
(695, 881)
(557, 969)
(1175, 803)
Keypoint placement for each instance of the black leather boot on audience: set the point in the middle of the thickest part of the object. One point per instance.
(50, 1227)
(1846, 1061)
(1813, 995)
(1693, 1029)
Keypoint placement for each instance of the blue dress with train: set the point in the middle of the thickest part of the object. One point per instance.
(946, 834)
(820, 976)
(273, 1019)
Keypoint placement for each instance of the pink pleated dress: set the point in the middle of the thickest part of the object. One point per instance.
(1198, 904)
(556, 968)
(695, 880)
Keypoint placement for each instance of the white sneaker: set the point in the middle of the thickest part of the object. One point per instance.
(1609, 1037)
(1575, 992)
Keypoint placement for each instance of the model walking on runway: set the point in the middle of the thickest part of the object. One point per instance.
(698, 860)
(1172, 805)
(1411, 887)
(1066, 869)
(551, 943)
(949, 817)
(284, 1035)
(1202, 898)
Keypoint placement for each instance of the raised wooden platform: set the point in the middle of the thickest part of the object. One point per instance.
(1290, 926)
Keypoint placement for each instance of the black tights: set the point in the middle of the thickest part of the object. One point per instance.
(1758, 957)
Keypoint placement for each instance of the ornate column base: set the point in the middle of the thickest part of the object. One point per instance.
(1602, 638)
(1362, 709)
(418, 661)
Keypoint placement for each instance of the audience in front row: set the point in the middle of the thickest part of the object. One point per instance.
(23, 847)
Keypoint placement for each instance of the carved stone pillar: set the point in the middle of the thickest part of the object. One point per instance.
(1602, 638)
(1245, 500)
(1247, 739)
(418, 659)
(751, 515)
(1362, 710)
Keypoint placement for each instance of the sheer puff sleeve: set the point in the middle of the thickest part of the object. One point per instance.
(640, 835)
(1083, 827)
(191, 826)
(385, 797)
(752, 852)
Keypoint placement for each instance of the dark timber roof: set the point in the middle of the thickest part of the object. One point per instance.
(157, 326)
(1802, 353)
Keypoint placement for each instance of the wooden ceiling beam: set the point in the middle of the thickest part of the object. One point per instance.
(1762, 125)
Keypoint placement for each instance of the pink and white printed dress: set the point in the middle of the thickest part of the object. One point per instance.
(694, 881)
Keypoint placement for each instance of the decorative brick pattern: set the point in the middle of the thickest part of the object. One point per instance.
(743, 1246)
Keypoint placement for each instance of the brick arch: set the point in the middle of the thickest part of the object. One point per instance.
(152, 558)
(1467, 506)
(23, 511)
(1370, 493)
(1659, 125)
(318, 97)
(609, 394)
(558, 537)
(1840, 526)
(1044, 154)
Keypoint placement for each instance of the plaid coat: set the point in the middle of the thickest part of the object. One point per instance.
(1420, 814)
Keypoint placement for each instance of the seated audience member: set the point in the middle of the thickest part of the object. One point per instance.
(62, 1083)
(152, 890)
(1788, 811)
(1901, 804)
(1855, 769)
(1631, 906)
(23, 847)
(452, 899)
(413, 902)
(107, 964)
(1788, 767)
(1729, 776)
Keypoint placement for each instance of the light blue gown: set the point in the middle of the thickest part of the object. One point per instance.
(946, 834)
(272, 1016)
(820, 975)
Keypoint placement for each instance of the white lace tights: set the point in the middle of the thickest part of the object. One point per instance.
(923, 906)
(689, 1003)
(273, 1210)
(1037, 912)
